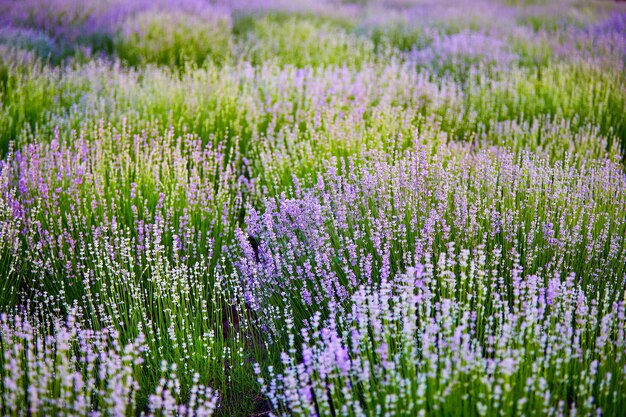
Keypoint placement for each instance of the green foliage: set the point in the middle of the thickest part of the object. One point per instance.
(302, 41)
(400, 36)
(174, 39)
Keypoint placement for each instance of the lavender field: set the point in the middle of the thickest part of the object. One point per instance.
(312, 208)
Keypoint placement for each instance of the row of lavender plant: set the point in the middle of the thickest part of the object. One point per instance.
(316, 112)
(131, 228)
(53, 366)
(518, 309)
(140, 31)
(510, 343)
(361, 221)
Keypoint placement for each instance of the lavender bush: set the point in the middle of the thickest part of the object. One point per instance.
(416, 345)
(361, 223)
(53, 366)
(269, 207)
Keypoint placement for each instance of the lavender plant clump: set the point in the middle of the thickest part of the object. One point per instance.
(292, 208)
